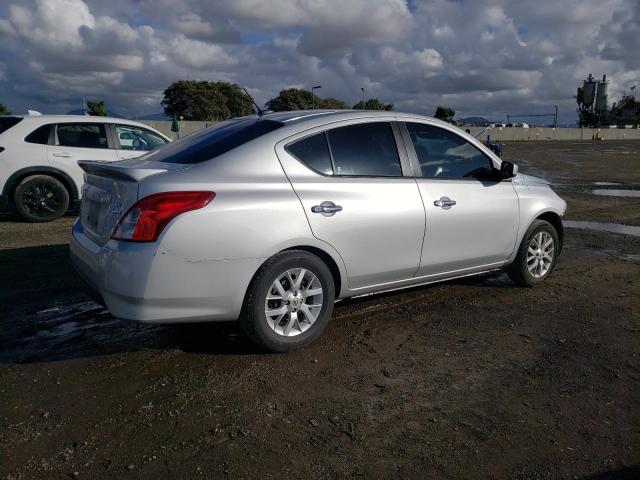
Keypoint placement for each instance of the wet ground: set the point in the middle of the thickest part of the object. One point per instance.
(470, 379)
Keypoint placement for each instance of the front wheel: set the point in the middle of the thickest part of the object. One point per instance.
(289, 302)
(41, 198)
(536, 256)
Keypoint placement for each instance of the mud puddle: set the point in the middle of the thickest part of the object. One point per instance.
(603, 227)
(612, 192)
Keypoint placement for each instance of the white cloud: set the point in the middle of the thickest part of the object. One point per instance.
(481, 56)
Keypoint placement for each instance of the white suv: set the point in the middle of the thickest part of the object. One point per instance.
(39, 173)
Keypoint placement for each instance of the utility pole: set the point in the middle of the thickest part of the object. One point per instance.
(313, 98)
(362, 88)
(555, 117)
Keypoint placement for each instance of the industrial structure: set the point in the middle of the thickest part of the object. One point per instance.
(593, 109)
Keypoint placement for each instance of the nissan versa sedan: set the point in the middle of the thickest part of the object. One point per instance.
(269, 219)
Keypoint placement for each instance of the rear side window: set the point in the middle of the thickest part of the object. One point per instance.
(39, 135)
(366, 149)
(214, 141)
(138, 138)
(7, 122)
(313, 152)
(83, 135)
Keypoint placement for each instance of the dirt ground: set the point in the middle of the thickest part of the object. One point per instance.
(469, 379)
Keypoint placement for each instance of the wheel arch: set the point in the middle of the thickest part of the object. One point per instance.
(556, 221)
(328, 260)
(15, 178)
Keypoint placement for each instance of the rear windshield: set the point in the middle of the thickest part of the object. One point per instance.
(7, 122)
(212, 142)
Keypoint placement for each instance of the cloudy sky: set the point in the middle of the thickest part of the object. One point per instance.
(487, 57)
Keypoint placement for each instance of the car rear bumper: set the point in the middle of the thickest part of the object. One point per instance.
(143, 281)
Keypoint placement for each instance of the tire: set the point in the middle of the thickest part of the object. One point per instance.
(41, 198)
(527, 269)
(278, 333)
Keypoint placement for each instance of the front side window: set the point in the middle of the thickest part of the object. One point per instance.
(83, 135)
(443, 154)
(366, 149)
(137, 138)
(313, 152)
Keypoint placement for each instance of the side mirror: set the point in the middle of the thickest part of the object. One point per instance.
(508, 170)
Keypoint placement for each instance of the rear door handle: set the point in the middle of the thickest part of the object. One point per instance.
(326, 208)
(445, 203)
(63, 154)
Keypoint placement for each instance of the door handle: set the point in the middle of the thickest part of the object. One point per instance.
(326, 208)
(445, 203)
(63, 154)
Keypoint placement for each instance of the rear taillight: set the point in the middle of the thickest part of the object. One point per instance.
(147, 218)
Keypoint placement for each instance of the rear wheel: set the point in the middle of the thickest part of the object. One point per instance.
(289, 301)
(41, 198)
(536, 256)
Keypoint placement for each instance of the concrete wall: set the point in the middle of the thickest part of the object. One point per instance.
(497, 134)
(533, 134)
(186, 127)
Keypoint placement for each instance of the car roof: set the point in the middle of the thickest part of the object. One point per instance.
(75, 118)
(319, 117)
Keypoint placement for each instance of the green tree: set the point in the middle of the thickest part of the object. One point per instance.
(373, 104)
(293, 99)
(4, 110)
(333, 104)
(97, 109)
(445, 113)
(205, 101)
(238, 103)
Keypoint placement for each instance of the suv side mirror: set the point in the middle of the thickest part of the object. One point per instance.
(508, 170)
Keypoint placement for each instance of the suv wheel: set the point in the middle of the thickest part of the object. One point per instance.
(41, 198)
(289, 301)
(537, 255)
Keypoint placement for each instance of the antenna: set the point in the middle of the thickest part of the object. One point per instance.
(260, 111)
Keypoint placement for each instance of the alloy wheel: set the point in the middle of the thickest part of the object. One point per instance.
(293, 302)
(540, 254)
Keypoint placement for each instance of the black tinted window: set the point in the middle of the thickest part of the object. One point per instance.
(39, 135)
(84, 135)
(214, 141)
(7, 122)
(367, 149)
(313, 152)
(443, 154)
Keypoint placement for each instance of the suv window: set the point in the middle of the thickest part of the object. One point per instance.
(138, 138)
(443, 154)
(313, 152)
(214, 141)
(39, 135)
(366, 149)
(84, 135)
(7, 122)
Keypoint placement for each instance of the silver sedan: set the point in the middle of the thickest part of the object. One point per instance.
(270, 219)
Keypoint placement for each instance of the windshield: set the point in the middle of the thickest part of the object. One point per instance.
(214, 141)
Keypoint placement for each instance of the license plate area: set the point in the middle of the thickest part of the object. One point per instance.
(94, 207)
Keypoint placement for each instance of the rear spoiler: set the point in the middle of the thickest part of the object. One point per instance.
(132, 170)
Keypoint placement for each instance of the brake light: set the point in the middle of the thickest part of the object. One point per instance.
(147, 218)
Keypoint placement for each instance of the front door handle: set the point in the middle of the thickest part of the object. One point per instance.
(326, 208)
(63, 154)
(445, 203)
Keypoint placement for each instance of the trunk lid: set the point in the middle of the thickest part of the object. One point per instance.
(110, 189)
